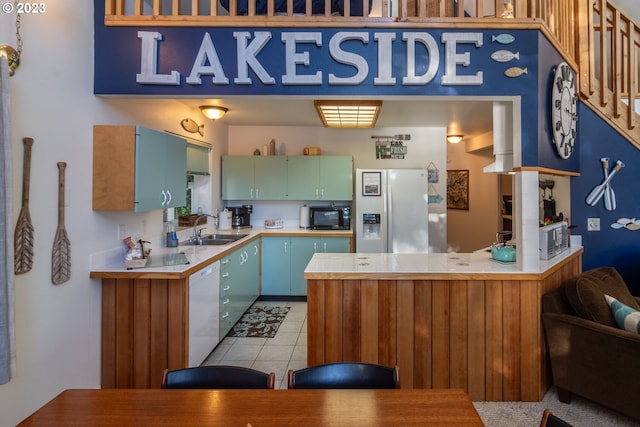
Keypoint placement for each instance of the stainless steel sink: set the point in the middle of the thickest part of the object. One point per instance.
(214, 239)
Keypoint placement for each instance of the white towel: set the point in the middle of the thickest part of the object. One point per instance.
(7, 336)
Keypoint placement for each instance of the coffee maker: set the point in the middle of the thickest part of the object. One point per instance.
(241, 216)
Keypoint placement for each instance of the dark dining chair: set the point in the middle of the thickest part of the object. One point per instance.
(550, 420)
(345, 375)
(218, 377)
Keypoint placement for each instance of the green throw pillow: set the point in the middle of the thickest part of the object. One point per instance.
(626, 317)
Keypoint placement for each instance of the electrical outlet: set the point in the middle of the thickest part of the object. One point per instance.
(122, 231)
(144, 226)
(593, 224)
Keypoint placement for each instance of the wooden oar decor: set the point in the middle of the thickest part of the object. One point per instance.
(61, 255)
(23, 236)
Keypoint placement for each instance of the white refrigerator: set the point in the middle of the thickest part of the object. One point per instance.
(392, 211)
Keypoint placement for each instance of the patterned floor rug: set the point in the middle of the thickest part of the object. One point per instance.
(259, 321)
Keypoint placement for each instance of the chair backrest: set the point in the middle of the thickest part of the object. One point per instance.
(345, 375)
(217, 377)
(550, 420)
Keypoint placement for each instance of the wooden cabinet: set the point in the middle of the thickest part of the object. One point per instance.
(287, 178)
(285, 258)
(254, 177)
(138, 169)
(239, 284)
(480, 332)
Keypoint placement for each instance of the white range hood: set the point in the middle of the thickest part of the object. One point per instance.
(502, 138)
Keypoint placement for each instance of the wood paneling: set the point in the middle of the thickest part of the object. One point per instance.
(484, 336)
(144, 331)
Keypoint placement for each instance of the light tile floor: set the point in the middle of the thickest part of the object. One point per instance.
(287, 350)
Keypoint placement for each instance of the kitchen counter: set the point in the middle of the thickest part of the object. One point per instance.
(446, 320)
(200, 256)
(473, 266)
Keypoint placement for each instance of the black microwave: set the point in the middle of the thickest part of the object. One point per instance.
(330, 217)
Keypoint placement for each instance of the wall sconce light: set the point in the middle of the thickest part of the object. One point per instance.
(213, 112)
(454, 139)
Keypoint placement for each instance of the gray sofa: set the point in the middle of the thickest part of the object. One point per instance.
(590, 356)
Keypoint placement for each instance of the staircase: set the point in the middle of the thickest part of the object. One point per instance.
(608, 58)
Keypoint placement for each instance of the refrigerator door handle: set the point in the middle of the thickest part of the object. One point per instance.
(389, 224)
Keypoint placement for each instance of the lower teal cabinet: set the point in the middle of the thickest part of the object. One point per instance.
(285, 258)
(239, 284)
(276, 266)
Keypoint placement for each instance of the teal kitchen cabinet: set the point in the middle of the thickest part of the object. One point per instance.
(285, 258)
(239, 284)
(303, 175)
(320, 178)
(276, 266)
(254, 178)
(151, 169)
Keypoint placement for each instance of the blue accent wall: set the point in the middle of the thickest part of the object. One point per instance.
(609, 247)
(547, 156)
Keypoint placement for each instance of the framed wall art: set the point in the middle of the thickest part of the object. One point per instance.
(458, 189)
(371, 183)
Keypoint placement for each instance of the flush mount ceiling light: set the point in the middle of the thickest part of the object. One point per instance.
(348, 114)
(213, 112)
(454, 139)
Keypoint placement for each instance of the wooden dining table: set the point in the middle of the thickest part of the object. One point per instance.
(257, 408)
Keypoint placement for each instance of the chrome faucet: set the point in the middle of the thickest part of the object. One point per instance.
(196, 231)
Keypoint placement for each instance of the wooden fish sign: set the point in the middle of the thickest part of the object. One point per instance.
(515, 72)
(191, 126)
(503, 38)
(504, 56)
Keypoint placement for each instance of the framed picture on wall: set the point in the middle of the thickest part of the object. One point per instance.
(458, 189)
(371, 182)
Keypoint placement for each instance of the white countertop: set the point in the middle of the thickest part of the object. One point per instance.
(444, 263)
(204, 254)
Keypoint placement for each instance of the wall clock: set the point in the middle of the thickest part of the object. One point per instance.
(563, 109)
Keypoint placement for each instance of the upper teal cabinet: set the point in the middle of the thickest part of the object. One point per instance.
(151, 169)
(336, 178)
(197, 159)
(254, 177)
(287, 178)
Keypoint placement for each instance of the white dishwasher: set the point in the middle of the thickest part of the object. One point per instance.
(204, 312)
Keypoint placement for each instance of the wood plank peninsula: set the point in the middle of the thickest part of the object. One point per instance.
(447, 320)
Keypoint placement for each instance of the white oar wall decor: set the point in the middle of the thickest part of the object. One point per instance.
(604, 188)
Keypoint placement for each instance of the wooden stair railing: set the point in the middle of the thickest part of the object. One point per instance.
(609, 61)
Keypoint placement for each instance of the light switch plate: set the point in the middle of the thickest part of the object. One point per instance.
(593, 224)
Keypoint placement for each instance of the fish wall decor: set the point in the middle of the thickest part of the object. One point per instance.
(515, 72)
(504, 56)
(191, 126)
(503, 38)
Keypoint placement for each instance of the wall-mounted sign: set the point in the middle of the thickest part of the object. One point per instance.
(390, 149)
(225, 61)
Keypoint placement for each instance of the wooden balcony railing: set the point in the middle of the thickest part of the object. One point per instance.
(608, 61)
(594, 36)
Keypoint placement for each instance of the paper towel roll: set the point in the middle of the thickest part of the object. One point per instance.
(304, 216)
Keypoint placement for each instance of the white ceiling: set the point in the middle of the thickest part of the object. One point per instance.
(466, 116)
(469, 117)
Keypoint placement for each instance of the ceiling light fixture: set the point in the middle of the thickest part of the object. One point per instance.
(348, 114)
(454, 139)
(213, 112)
